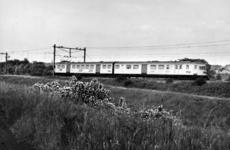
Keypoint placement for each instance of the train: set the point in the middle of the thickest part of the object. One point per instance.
(157, 69)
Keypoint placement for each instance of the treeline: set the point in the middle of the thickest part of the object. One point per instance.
(24, 67)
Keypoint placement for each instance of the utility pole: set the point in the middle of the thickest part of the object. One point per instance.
(6, 61)
(70, 50)
(54, 59)
(84, 53)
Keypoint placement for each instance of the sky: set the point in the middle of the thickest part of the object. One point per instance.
(116, 30)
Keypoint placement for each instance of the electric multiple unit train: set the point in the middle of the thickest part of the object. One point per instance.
(159, 69)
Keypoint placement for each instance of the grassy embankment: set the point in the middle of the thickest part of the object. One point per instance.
(214, 89)
(52, 123)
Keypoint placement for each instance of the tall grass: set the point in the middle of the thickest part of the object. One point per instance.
(49, 122)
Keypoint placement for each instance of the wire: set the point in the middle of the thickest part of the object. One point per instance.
(167, 54)
(188, 46)
(76, 51)
(63, 50)
(89, 57)
(30, 50)
(166, 45)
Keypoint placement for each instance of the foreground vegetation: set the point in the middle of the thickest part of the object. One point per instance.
(56, 122)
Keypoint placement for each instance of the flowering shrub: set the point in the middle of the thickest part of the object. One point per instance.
(93, 94)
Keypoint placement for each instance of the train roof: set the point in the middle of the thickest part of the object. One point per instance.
(133, 62)
(159, 62)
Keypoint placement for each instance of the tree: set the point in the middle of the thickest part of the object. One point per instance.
(48, 71)
(17, 70)
(37, 68)
(218, 77)
(26, 69)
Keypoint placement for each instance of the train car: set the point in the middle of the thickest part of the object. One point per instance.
(92, 68)
(172, 69)
(128, 68)
(176, 69)
(165, 69)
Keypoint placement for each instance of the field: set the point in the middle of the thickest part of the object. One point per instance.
(52, 122)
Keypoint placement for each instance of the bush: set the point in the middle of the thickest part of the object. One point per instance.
(199, 81)
(78, 76)
(168, 80)
(128, 82)
(120, 78)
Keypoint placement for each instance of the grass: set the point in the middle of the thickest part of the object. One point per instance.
(53, 123)
(192, 110)
(215, 89)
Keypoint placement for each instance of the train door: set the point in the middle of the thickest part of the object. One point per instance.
(144, 69)
(98, 68)
(68, 68)
(122, 68)
(177, 67)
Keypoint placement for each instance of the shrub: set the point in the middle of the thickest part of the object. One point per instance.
(169, 80)
(78, 76)
(128, 82)
(199, 81)
(120, 78)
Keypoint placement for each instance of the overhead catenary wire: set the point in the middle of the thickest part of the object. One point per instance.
(175, 47)
(89, 57)
(29, 50)
(215, 53)
(167, 45)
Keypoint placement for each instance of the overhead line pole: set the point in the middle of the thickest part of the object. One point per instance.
(70, 50)
(54, 59)
(6, 61)
(84, 53)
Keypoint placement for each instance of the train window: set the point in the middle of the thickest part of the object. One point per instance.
(91, 66)
(73, 66)
(117, 67)
(176, 67)
(109, 66)
(58, 66)
(78, 66)
(153, 67)
(167, 67)
(63, 66)
(86, 66)
(161, 67)
(180, 66)
(135, 66)
(82, 66)
(103, 66)
(202, 67)
(195, 67)
(128, 66)
(187, 67)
